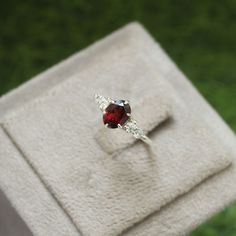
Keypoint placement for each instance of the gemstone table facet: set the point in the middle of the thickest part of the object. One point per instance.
(116, 113)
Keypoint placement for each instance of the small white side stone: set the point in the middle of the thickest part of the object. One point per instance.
(102, 101)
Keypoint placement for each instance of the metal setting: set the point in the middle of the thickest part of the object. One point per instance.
(130, 126)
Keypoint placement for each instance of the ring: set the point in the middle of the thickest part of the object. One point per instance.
(117, 114)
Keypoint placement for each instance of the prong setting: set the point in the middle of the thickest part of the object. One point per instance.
(117, 114)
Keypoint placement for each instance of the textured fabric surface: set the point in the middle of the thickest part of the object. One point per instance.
(106, 194)
(205, 200)
(22, 187)
(197, 203)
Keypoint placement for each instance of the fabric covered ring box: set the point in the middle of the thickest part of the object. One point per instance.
(66, 174)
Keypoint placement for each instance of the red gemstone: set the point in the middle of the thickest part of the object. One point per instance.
(116, 114)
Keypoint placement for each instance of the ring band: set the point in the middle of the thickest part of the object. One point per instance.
(117, 114)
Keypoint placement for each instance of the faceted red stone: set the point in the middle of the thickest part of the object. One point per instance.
(116, 114)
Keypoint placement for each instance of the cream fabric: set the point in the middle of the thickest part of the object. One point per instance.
(106, 194)
(173, 215)
(22, 187)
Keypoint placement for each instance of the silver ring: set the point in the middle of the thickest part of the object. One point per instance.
(117, 114)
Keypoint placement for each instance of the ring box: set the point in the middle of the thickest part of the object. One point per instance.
(67, 175)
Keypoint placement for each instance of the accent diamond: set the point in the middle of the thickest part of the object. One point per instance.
(102, 102)
(131, 127)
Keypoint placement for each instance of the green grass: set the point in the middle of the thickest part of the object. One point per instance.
(199, 35)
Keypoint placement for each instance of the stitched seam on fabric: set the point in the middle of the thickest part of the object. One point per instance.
(21, 152)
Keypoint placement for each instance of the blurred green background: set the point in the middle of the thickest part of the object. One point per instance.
(200, 36)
